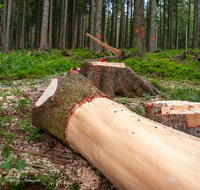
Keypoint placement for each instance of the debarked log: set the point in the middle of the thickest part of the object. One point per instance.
(133, 152)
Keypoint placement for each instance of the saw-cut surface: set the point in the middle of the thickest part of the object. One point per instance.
(48, 93)
(133, 152)
(181, 115)
(109, 64)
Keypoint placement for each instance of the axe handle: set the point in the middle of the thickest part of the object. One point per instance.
(114, 50)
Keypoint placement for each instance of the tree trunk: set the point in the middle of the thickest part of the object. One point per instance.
(79, 40)
(103, 26)
(131, 26)
(17, 40)
(108, 27)
(91, 42)
(177, 24)
(148, 33)
(152, 26)
(195, 27)
(4, 23)
(128, 149)
(8, 27)
(112, 41)
(64, 24)
(38, 25)
(121, 33)
(171, 27)
(164, 29)
(160, 25)
(168, 28)
(12, 25)
(98, 24)
(23, 25)
(73, 42)
(50, 24)
(113, 79)
(126, 34)
(188, 34)
(139, 23)
(43, 41)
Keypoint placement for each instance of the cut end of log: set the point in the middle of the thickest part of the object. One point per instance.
(181, 115)
(48, 93)
(122, 65)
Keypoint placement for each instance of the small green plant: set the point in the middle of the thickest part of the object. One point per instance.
(147, 96)
(6, 151)
(139, 110)
(22, 104)
(10, 162)
(34, 134)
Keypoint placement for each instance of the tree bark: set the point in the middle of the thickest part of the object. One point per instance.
(128, 149)
(152, 26)
(91, 42)
(4, 23)
(98, 24)
(43, 41)
(23, 25)
(195, 26)
(117, 80)
(112, 41)
(131, 26)
(121, 33)
(50, 24)
(188, 30)
(12, 24)
(171, 27)
(139, 23)
(126, 34)
(8, 27)
(73, 28)
(164, 29)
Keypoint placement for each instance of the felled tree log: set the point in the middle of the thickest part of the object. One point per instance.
(131, 151)
(113, 78)
(180, 115)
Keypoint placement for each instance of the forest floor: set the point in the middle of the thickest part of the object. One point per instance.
(32, 159)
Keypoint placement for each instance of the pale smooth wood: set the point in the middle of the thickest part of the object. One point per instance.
(133, 152)
(122, 65)
(48, 93)
(114, 50)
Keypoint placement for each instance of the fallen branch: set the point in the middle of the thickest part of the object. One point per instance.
(39, 154)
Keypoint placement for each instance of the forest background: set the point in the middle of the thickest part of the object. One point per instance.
(151, 24)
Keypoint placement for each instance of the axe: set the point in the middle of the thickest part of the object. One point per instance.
(114, 50)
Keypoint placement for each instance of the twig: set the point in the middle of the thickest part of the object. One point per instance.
(37, 166)
(39, 154)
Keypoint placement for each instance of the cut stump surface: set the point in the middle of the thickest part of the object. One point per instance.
(181, 115)
(113, 78)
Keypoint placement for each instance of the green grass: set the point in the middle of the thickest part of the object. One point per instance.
(156, 68)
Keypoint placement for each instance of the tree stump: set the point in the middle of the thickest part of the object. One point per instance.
(115, 78)
(180, 115)
(131, 151)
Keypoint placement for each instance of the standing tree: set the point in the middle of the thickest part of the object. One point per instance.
(138, 27)
(99, 5)
(195, 27)
(188, 25)
(121, 35)
(6, 47)
(112, 43)
(43, 40)
(164, 29)
(23, 25)
(91, 42)
(152, 26)
(171, 23)
(4, 22)
(50, 24)
(63, 24)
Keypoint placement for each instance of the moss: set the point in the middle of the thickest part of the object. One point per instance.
(52, 115)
